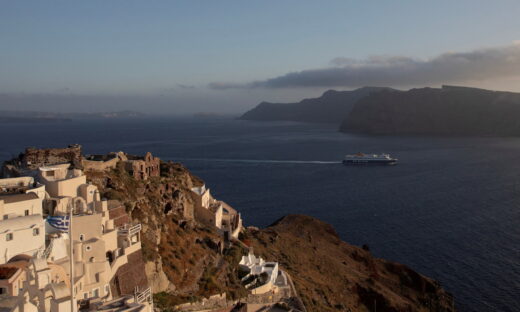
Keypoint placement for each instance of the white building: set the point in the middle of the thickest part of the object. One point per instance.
(45, 288)
(22, 185)
(215, 213)
(22, 229)
(261, 275)
(21, 236)
(100, 248)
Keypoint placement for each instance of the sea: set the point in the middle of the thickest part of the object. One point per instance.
(450, 209)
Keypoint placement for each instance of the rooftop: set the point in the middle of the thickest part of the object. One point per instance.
(6, 272)
(8, 303)
(21, 222)
(14, 198)
(9, 269)
(199, 189)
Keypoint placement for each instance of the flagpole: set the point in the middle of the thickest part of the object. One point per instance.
(71, 264)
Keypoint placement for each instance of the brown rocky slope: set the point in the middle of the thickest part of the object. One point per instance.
(184, 261)
(331, 275)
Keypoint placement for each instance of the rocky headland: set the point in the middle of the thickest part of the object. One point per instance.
(331, 107)
(446, 111)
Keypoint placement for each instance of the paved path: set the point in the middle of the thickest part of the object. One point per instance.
(295, 293)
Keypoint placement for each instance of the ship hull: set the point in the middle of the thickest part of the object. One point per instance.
(349, 162)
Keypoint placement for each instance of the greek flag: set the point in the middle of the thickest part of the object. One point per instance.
(59, 222)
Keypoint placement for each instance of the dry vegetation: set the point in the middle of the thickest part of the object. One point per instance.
(331, 275)
(192, 255)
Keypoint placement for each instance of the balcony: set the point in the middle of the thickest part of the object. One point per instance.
(129, 230)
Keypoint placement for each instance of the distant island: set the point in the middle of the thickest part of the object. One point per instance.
(450, 110)
(331, 107)
(41, 116)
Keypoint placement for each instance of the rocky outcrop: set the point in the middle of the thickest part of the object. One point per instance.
(453, 111)
(33, 158)
(331, 107)
(331, 275)
(183, 258)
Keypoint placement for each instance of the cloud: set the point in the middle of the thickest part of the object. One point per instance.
(482, 64)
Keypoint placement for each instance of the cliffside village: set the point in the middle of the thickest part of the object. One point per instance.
(48, 208)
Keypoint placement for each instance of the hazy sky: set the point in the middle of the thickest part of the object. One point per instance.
(226, 56)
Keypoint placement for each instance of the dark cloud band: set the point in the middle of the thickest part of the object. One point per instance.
(399, 71)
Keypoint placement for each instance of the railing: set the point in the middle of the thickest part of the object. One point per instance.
(143, 296)
(130, 230)
(44, 253)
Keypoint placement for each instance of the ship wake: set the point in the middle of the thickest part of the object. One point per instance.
(262, 161)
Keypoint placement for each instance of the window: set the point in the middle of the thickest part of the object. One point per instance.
(36, 231)
(85, 295)
(95, 293)
(3, 290)
(88, 248)
(26, 212)
(9, 236)
(81, 237)
(107, 290)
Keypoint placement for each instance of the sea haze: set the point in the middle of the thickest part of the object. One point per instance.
(449, 209)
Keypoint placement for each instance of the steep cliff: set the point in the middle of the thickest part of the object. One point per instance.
(331, 275)
(450, 110)
(331, 107)
(183, 258)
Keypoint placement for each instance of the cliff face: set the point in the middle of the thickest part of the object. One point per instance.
(182, 257)
(455, 111)
(331, 107)
(331, 275)
(447, 111)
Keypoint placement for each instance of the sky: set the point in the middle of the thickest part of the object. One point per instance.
(183, 57)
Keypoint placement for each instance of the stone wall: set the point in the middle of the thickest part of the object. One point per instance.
(141, 168)
(33, 158)
(119, 215)
(100, 165)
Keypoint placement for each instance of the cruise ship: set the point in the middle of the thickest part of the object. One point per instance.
(362, 159)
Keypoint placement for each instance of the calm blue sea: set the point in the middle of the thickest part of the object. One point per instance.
(450, 209)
